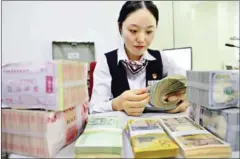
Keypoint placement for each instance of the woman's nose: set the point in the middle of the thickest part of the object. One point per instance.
(141, 38)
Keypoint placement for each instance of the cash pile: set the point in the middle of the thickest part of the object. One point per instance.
(194, 112)
(46, 106)
(167, 85)
(149, 140)
(102, 138)
(214, 97)
(41, 133)
(193, 140)
(50, 85)
(213, 89)
(222, 123)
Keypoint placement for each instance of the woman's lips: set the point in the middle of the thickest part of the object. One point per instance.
(139, 47)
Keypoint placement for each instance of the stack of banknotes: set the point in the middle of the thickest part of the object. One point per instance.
(223, 123)
(194, 112)
(214, 102)
(149, 140)
(158, 90)
(41, 133)
(102, 138)
(195, 141)
(213, 89)
(50, 85)
(46, 106)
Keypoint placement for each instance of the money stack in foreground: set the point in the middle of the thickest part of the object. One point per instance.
(50, 85)
(195, 141)
(214, 97)
(102, 138)
(223, 123)
(213, 89)
(194, 112)
(167, 85)
(47, 106)
(41, 133)
(149, 140)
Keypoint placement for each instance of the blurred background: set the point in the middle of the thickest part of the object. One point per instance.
(35, 30)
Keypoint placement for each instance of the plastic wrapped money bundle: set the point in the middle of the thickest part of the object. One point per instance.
(149, 140)
(41, 133)
(213, 89)
(223, 123)
(50, 85)
(194, 112)
(102, 138)
(167, 85)
(195, 141)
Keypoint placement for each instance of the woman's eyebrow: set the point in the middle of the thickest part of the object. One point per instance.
(150, 26)
(135, 25)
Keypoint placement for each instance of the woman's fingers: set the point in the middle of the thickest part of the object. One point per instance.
(140, 91)
(136, 97)
(138, 104)
(135, 111)
(180, 108)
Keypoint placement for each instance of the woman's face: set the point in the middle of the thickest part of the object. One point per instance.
(138, 31)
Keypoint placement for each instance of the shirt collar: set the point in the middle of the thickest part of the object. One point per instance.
(122, 55)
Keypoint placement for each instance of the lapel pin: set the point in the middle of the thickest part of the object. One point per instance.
(154, 75)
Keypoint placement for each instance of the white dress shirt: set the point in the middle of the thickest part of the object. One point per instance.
(101, 94)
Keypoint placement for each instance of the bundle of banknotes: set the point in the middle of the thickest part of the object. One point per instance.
(51, 85)
(40, 133)
(193, 140)
(160, 89)
(102, 138)
(46, 106)
(213, 89)
(149, 140)
(194, 112)
(223, 123)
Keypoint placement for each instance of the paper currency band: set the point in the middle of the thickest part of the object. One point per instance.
(198, 85)
(202, 86)
(136, 133)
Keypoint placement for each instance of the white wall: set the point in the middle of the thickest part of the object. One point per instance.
(30, 27)
(164, 35)
(207, 26)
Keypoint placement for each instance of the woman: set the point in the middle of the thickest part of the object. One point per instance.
(120, 79)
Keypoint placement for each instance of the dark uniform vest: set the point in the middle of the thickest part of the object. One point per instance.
(154, 71)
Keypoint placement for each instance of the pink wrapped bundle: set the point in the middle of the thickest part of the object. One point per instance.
(50, 85)
(41, 133)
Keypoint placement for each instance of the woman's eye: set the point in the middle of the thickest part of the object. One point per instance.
(149, 32)
(133, 31)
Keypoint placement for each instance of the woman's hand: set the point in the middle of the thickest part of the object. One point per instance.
(131, 101)
(182, 105)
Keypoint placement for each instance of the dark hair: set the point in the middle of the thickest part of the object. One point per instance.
(132, 6)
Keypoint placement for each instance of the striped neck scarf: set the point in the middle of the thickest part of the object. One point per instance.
(135, 67)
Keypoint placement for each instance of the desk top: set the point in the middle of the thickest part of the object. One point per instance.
(68, 151)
